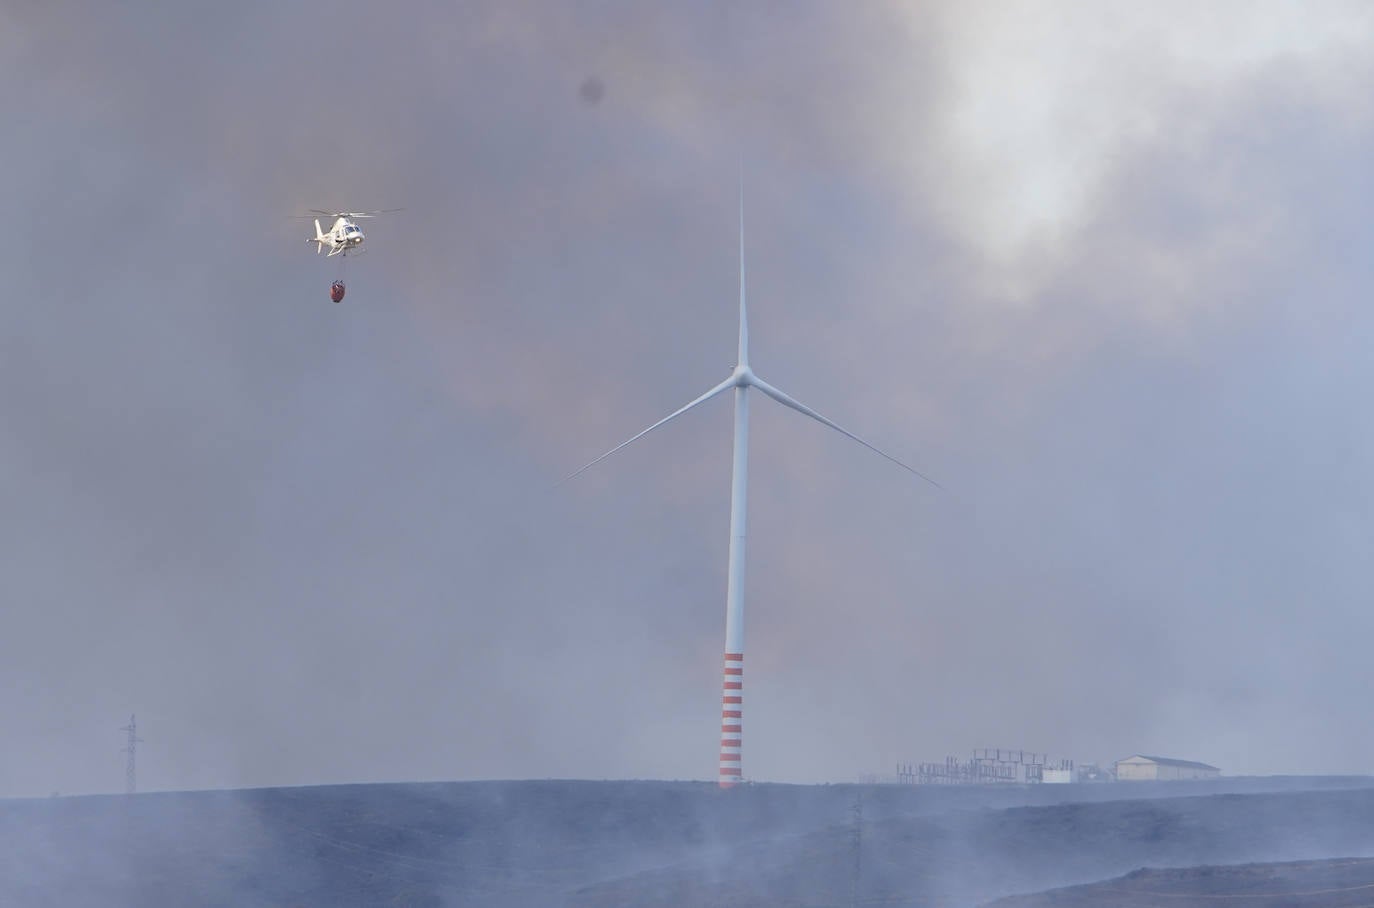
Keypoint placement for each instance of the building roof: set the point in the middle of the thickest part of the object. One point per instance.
(1167, 761)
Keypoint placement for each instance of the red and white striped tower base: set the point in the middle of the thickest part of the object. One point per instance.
(732, 721)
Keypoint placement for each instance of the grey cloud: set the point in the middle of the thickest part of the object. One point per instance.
(313, 543)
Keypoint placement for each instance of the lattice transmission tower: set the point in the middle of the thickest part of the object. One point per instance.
(130, 770)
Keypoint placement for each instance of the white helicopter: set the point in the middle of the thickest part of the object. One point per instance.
(345, 236)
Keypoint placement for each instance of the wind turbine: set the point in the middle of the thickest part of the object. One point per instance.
(741, 380)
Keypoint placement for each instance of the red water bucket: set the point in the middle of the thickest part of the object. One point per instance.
(336, 291)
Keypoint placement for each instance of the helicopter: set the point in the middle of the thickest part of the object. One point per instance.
(345, 236)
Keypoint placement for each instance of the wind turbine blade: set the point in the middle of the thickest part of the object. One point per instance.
(723, 386)
(788, 401)
(743, 312)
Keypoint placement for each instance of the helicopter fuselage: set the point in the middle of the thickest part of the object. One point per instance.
(344, 237)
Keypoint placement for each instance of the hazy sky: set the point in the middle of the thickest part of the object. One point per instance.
(1102, 269)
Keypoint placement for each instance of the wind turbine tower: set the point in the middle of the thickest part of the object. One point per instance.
(741, 380)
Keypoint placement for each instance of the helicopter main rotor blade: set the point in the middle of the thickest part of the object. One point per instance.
(349, 214)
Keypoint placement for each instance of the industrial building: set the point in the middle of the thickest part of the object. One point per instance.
(988, 766)
(1142, 768)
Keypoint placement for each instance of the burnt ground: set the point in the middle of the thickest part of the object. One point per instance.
(559, 843)
(1340, 883)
